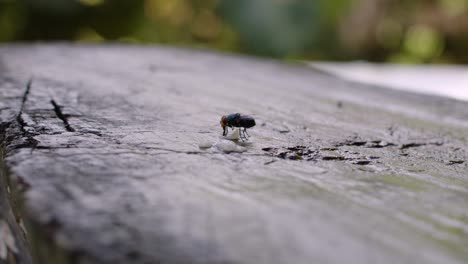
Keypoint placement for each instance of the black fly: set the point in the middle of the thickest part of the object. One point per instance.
(237, 120)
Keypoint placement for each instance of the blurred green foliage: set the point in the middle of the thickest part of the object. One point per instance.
(414, 31)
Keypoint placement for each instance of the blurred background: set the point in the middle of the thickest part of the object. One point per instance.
(403, 31)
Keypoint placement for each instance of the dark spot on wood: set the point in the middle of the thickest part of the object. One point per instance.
(268, 149)
(295, 157)
(333, 158)
(283, 155)
(453, 162)
(378, 144)
(330, 149)
(410, 145)
(269, 162)
(355, 143)
(297, 148)
(361, 162)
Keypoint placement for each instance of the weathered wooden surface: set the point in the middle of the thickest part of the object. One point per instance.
(107, 141)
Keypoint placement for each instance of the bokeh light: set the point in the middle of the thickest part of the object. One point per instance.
(414, 31)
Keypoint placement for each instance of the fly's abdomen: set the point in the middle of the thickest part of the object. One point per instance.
(246, 121)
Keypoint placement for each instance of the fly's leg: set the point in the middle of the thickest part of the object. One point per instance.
(242, 135)
(245, 132)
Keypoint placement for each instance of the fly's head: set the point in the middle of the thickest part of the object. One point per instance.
(223, 124)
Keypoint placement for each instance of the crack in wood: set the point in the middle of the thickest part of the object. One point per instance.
(61, 116)
(25, 96)
(19, 118)
(29, 141)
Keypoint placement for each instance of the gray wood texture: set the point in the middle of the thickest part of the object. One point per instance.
(119, 148)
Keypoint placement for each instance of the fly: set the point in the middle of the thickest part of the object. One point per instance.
(237, 120)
